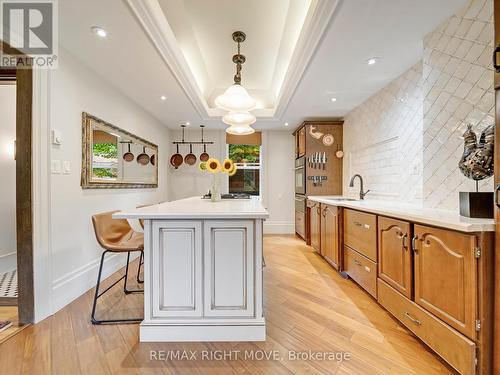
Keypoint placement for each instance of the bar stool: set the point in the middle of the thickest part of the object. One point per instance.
(115, 236)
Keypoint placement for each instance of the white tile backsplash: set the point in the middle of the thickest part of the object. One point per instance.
(406, 140)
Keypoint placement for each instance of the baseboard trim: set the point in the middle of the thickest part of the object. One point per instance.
(279, 227)
(77, 282)
(8, 262)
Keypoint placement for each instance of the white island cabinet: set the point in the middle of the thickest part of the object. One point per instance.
(202, 270)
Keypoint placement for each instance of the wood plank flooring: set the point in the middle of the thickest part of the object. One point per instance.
(10, 313)
(308, 307)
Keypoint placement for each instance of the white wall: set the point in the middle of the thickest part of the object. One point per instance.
(277, 175)
(8, 173)
(75, 252)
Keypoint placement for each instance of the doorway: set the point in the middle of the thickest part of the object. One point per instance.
(16, 242)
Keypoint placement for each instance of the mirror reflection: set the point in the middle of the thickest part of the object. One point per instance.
(116, 158)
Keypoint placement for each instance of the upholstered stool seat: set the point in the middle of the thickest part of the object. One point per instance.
(116, 236)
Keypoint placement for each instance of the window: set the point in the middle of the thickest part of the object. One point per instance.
(247, 177)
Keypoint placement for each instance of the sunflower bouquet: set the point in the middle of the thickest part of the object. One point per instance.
(215, 167)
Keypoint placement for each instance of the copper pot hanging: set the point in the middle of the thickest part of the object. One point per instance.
(143, 159)
(204, 155)
(128, 156)
(176, 159)
(190, 159)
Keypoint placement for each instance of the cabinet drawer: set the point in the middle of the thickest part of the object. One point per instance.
(360, 233)
(452, 346)
(361, 269)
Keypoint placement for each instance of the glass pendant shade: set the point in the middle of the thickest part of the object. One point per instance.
(238, 118)
(236, 99)
(240, 130)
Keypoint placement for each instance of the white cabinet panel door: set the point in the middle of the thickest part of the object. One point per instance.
(229, 268)
(177, 269)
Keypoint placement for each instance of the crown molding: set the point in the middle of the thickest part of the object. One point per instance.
(304, 52)
(150, 15)
(152, 19)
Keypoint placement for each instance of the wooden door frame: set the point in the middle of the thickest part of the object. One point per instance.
(24, 207)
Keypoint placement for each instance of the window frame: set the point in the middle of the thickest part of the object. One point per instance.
(261, 160)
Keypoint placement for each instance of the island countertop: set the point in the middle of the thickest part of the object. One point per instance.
(436, 217)
(198, 208)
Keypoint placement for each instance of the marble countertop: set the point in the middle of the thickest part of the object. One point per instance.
(197, 208)
(439, 218)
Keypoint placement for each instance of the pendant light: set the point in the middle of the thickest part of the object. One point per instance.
(236, 99)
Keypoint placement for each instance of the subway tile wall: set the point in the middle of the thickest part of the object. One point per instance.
(406, 140)
(383, 140)
(458, 90)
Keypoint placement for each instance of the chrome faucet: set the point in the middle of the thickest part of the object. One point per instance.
(361, 192)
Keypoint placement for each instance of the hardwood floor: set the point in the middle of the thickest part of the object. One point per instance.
(10, 313)
(308, 307)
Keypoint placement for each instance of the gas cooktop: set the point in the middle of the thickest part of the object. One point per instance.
(230, 196)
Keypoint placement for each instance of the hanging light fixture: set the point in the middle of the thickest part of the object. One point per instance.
(236, 99)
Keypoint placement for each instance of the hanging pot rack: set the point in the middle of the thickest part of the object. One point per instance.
(184, 142)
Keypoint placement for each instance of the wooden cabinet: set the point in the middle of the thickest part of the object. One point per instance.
(360, 232)
(394, 254)
(362, 270)
(301, 142)
(315, 224)
(446, 276)
(330, 234)
(456, 349)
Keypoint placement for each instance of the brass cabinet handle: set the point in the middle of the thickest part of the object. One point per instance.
(324, 211)
(357, 223)
(413, 319)
(318, 210)
(414, 244)
(357, 262)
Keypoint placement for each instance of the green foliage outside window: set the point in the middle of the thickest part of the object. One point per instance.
(244, 153)
(104, 172)
(106, 150)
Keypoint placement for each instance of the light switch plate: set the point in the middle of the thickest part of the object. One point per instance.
(56, 166)
(56, 137)
(66, 167)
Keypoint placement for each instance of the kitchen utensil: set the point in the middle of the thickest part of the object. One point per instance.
(204, 155)
(128, 156)
(324, 160)
(176, 159)
(152, 159)
(190, 159)
(339, 154)
(143, 159)
(328, 140)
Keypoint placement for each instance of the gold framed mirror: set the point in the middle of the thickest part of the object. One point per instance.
(113, 158)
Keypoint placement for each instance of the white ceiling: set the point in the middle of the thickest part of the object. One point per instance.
(203, 32)
(131, 61)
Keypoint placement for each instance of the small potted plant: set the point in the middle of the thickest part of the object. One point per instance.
(214, 166)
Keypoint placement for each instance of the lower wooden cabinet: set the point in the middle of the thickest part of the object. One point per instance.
(315, 225)
(330, 248)
(446, 276)
(455, 348)
(394, 254)
(361, 269)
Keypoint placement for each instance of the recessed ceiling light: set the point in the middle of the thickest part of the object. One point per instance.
(286, 123)
(333, 100)
(99, 31)
(188, 123)
(372, 60)
(163, 97)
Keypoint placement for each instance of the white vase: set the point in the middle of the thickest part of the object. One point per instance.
(215, 189)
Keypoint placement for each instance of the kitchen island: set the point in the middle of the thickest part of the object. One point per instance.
(202, 270)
